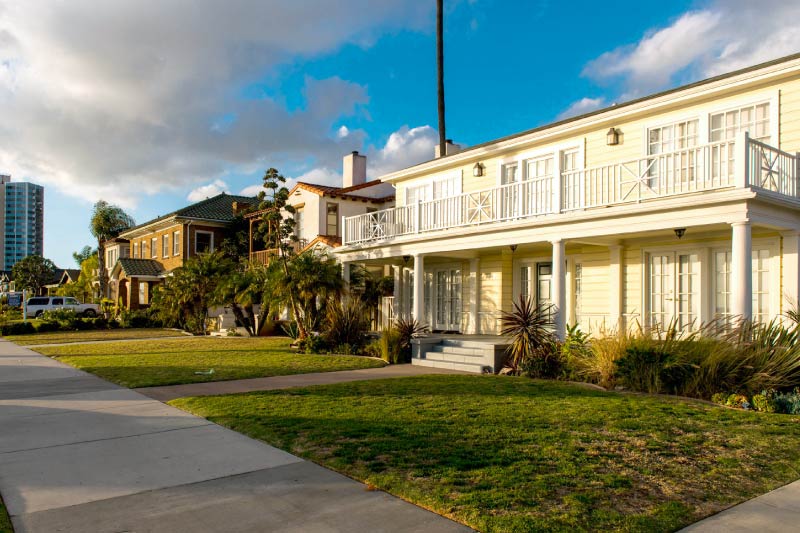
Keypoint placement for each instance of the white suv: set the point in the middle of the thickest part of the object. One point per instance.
(39, 304)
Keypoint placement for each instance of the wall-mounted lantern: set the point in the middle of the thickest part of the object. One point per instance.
(679, 232)
(612, 137)
(477, 170)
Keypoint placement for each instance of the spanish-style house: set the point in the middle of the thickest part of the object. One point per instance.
(681, 206)
(163, 244)
(319, 209)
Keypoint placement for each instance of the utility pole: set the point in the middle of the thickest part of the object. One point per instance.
(440, 74)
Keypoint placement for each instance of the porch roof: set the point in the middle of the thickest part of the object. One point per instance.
(138, 267)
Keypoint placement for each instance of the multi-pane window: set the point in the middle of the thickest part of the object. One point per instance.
(687, 302)
(537, 195)
(722, 274)
(176, 243)
(660, 290)
(672, 137)
(510, 173)
(144, 249)
(754, 119)
(154, 247)
(760, 284)
(142, 292)
(524, 282)
(332, 219)
(675, 137)
(136, 249)
(165, 246)
(420, 193)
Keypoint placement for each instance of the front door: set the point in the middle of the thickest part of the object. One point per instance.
(536, 283)
(674, 290)
(447, 312)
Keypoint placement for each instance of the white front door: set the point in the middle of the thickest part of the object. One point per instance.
(674, 290)
(447, 300)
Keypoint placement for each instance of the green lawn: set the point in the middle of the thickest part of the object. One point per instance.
(175, 361)
(5, 521)
(58, 337)
(512, 454)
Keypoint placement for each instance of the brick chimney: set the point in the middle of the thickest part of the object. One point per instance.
(450, 147)
(354, 169)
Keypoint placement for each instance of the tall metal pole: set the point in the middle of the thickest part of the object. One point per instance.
(440, 74)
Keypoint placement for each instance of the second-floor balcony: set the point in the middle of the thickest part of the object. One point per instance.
(742, 163)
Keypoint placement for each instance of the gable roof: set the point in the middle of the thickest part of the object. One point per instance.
(218, 208)
(139, 267)
(71, 274)
(347, 193)
(327, 240)
(478, 150)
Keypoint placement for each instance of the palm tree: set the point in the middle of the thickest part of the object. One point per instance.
(440, 74)
(107, 222)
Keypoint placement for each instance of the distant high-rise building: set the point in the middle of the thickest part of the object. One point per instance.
(22, 220)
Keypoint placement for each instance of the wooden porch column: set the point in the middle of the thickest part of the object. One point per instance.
(615, 284)
(742, 271)
(419, 288)
(559, 288)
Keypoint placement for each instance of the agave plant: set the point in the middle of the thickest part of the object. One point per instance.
(408, 329)
(530, 329)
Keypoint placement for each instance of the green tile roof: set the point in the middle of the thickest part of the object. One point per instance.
(218, 208)
(140, 267)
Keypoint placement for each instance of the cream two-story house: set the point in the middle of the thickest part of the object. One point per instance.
(681, 206)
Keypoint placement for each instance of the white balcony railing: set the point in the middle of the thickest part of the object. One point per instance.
(714, 166)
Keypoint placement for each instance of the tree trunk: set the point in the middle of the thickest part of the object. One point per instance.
(101, 269)
(440, 75)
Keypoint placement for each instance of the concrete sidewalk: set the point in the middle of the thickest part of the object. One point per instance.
(79, 454)
(211, 388)
(774, 512)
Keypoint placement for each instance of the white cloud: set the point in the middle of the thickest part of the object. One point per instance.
(251, 190)
(727, 35)
(404, 148)
(207, 191)
(136, 97)
(584, 105)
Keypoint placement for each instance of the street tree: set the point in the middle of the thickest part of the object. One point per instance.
(107, 222)
(33, 273)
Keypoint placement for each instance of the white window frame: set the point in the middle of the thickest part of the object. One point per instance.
(165, 245)
(706, 269)
(456, 175)
(555, 151)
(136, 250)
(770, 97)
(153, 247)
(211, 246)
(773, 246)
(176, 243)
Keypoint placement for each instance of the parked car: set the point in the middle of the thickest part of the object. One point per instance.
(39, 304)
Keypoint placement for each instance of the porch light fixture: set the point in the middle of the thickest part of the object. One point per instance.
(679, 232)
(406, 259)
(612, 137)
(513, 248)
(477, 170)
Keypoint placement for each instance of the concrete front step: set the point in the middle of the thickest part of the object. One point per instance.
(451, 365)
(463, 343)
(456, 357)
(457, 350)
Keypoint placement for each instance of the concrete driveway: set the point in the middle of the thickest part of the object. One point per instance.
(80, 454)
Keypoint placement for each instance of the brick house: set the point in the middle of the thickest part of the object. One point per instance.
(161, 245)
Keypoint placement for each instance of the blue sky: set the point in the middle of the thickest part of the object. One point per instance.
(148, 119)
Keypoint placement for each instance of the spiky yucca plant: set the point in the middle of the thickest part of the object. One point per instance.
(530, 329)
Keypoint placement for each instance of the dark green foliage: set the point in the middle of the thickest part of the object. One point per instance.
(140, 318)
(788, 403)
(345, 324)
(17, 328)
(390, 347)
(530, 329)
(407, 330)
(33, 273)
(764, 402)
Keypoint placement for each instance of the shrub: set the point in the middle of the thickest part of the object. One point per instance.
(139, 318)
(719, 398)
(48, 326)
(291, 330)
(409, 329)
(738, 400)
(530, 329)
(345, 324)
(642, 367)
(574, 351)
(764, 401)
(65, 319)
(788, 403)
(390, 347)
(313, 344)
(17, 328)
